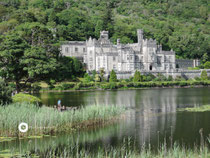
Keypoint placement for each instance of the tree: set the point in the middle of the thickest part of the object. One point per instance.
(5, 92)
(205, 58)
(204, 75)
(113, 76)
(137, 76)
(87, 77)
(23, 64)
(12, 50)
(102, 74)
(65, 69)
(97, 78)
(94, 74)
(38, 63)
(78, 67)
(207, 65)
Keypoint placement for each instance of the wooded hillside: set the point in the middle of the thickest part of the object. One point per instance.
(183, 25)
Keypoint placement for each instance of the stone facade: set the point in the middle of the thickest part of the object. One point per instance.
(145, 55)
(186, 63)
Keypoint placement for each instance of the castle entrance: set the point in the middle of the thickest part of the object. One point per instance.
(150, 67)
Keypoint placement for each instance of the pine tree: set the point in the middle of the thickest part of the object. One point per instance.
(204, 75)
(137, 76)
(113, 76)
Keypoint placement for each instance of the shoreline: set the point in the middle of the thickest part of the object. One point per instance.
(127, 88)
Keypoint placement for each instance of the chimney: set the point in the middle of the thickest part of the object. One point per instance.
(140, 36)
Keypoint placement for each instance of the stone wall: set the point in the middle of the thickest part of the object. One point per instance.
(185, 63)
(187, 74)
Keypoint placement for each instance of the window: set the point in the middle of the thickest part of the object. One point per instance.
(91, 59)
(159, 61)
(114, 58)
(169, 59)
(127, 57)
(136, 58)
(66, 49)
(76, 49)
(83, 49)
(91, 52)
(114, 67)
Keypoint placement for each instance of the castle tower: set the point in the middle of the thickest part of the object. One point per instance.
(104, 35)
(140, 36)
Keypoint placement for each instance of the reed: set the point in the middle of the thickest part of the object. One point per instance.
(125, 150)
(45, 120)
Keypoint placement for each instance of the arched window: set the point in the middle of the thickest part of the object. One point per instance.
(150, 67)
(66, 49)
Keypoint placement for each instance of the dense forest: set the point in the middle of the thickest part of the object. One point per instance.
(182, 25)
(31, 31)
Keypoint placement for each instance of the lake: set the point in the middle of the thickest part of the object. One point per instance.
(152, 119)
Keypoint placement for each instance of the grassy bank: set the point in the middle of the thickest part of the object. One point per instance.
(45, 120)
(75, 148)
(119, 85)
(196, 109)
(123, 151)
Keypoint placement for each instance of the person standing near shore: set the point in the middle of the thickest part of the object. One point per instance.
(59, 104)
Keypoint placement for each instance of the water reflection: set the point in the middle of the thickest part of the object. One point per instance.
(151, 119)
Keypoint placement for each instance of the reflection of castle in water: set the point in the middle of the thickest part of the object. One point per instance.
(152, 112)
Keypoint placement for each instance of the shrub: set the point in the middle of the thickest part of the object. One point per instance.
(207, 65)
(178, 78)
(204, 75)
(5, 92)
(182, 83)
(161, 77)
(78, 86)
(87, 77)
(137, 76)
(97, 78)
(113, 76)
(20, 98)
(197, 78)
(66, 86)
(51, 84)
(170, 78)
(36, 87)
(112, 85)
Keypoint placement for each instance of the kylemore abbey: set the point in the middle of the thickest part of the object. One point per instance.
(145, 55)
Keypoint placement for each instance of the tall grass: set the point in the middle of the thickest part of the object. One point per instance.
(127, 151)
(45, 120)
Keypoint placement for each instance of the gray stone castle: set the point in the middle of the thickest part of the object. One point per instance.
(145, 55)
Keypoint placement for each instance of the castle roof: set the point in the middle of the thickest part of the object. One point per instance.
(74, 42)
(167, 52)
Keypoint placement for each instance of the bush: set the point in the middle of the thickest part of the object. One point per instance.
(137, 76)
(20, 98)
(170, 78)
(87, 78)
(197, 78)
(183, 83)
(204, 75)
(207, 65)
(5, 92)
(66, 86)
(78, 86)
(36, 87)
(113, 76)
(179, 78)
